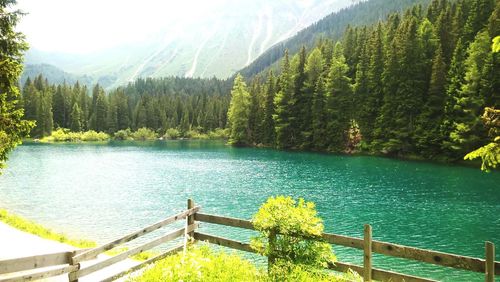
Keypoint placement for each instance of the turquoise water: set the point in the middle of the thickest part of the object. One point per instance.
(104, 191)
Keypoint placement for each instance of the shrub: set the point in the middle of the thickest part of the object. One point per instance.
(144, 134)
(92, 135)
(290, 232)
(64, 135)
(124, 134)
(172, 133)
(219, 133)
(201, 264)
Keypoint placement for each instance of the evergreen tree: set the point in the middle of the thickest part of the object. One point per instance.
(338, 96)
(370, 105)
(239, 112)
(428, 128)
(283, 103)
(268, 134)
(13, 127)
(314, 71)
(319, 117)
(101, 112)
(76, 115)
(301, 109)
(468, 130)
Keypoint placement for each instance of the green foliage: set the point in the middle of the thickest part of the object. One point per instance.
(172, 133)
(201, 264)
(239, 112)
(37, 229)
(496, 44)
(144, 134)
(12, 47)
(64, 135)
(283, 107)
(286, 271)
(124, 134)
(290, 231)
(218, 133)
(490, 153)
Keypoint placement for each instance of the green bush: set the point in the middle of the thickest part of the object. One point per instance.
(201, 264)
(172, 133)
(290, 231)
(219, 133)
(124, 134)
(144, 134)
(92, 135)
(64, 135)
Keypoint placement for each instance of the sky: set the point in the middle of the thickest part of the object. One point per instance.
(85, 26)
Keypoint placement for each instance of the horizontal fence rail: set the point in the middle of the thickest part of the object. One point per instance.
(134, 235)
(39, 261)
(384, 248)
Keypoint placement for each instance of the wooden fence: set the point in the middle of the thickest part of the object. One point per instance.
(69, 262)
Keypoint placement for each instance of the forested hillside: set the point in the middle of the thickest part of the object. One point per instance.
(413, 85)
(158, 104)
(331, 27)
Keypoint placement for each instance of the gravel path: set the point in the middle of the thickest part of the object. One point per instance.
(15, 243)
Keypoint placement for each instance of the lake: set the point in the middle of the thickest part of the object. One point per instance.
(101, 192)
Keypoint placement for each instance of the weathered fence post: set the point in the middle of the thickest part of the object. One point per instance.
(190, 218)
(72, 274)
(367, 258)
(490, 262)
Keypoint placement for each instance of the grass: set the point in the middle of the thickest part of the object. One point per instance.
(34, 228)
(41, 231)
(201, 263)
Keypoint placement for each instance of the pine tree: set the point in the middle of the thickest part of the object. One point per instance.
(428, 126)
(314, 71)
(76, 113)
(338, 97)
(369, 107)
(301, 110)
(319, 117)
(283, 103)
(268, 134)
(239, 112)
(468, 130)
(101, 112)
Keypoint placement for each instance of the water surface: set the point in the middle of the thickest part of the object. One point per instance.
(100, 192)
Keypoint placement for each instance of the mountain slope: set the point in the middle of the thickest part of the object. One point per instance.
(53, 74)
(219, 44)
(332, 27)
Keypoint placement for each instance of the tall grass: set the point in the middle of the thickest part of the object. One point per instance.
(41, 231)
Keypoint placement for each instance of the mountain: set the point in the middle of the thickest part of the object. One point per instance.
(218, 44)
(331, 27)
(53, 74)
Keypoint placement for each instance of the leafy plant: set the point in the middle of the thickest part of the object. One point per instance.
(290, 232)
(124, 134)
(201, 264)
(144, 134)
(172, 133)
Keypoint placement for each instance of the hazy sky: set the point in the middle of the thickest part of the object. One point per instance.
(81, 26)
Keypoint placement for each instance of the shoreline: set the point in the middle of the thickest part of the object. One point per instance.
(409, 158)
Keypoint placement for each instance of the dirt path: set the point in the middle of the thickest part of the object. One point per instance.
(15, 243)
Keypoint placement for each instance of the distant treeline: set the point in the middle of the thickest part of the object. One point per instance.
(415, 84)
(159, 104)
